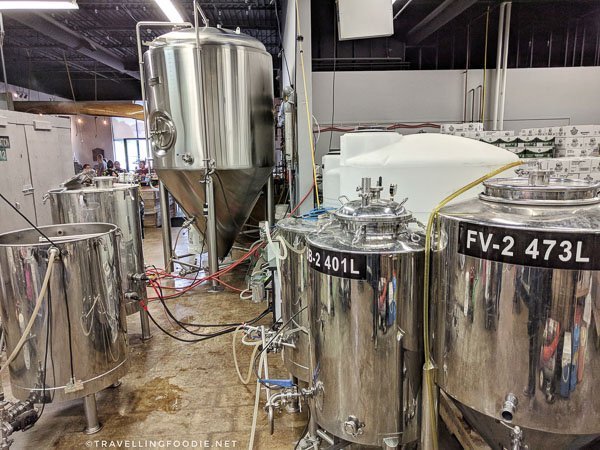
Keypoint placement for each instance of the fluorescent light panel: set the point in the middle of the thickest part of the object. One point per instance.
(170, 11)
(38, 4)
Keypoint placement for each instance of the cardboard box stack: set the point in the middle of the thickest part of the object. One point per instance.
(570, 141)
(151, 198)
(457, 128)
(584, 168)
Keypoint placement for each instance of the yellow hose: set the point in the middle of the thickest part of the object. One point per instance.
(308, 118)
(432, 218)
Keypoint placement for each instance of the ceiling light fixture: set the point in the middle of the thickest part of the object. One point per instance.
(38, 4)
(168, 8)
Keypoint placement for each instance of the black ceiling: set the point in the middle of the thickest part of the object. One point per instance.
(543, 33)
(36, 61)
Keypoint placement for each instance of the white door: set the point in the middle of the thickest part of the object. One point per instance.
(51, 159)
(15, 179)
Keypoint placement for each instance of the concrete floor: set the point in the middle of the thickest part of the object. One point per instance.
(174, 390)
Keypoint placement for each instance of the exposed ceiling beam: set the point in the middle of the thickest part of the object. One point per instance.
(47, 26)
(439, 17)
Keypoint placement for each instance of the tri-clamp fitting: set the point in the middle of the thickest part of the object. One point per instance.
(367, 192)
(289, 395)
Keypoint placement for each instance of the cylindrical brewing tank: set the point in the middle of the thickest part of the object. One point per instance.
(365, 320)
(294, 293)
(87, 335)
(107, 202)
(516, 297)
(211, 100)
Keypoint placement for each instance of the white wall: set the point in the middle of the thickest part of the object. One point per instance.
(545, 96)
(89, 132)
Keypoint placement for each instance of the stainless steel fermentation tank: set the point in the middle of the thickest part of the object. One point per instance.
(118, 204)
(295, 294)
(211, 106)
(516, 296)
(86, 349)
(365, 320)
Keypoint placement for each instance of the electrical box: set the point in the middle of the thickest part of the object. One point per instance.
(360, 19)
(36, 155)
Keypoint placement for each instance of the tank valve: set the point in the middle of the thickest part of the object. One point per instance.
(353, 426)
(138, 277)
(509, 407)
(132, 296)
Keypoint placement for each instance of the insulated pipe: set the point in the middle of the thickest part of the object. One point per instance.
(47, 26)
(505, 65)
(498, 68)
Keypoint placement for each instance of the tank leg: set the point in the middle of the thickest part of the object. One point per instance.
(145, 325)
(91, 414)
(391, 443)
(211, 230)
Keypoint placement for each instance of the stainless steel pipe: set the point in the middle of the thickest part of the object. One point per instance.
(166, 227)
(496, 96)
(271, 201)
(211, 233)
(502, 101)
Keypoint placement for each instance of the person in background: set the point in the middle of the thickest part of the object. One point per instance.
(142, 170)
(86, 167)
(100, 165)
(110, 172)
(117, 167)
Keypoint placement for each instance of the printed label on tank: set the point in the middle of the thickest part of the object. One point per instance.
(550, 249)
(338, 264)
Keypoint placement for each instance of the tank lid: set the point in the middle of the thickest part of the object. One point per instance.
(207, 36)
(539, 187)
(371, 209)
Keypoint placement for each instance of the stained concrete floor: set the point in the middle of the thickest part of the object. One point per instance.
(174, 391)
